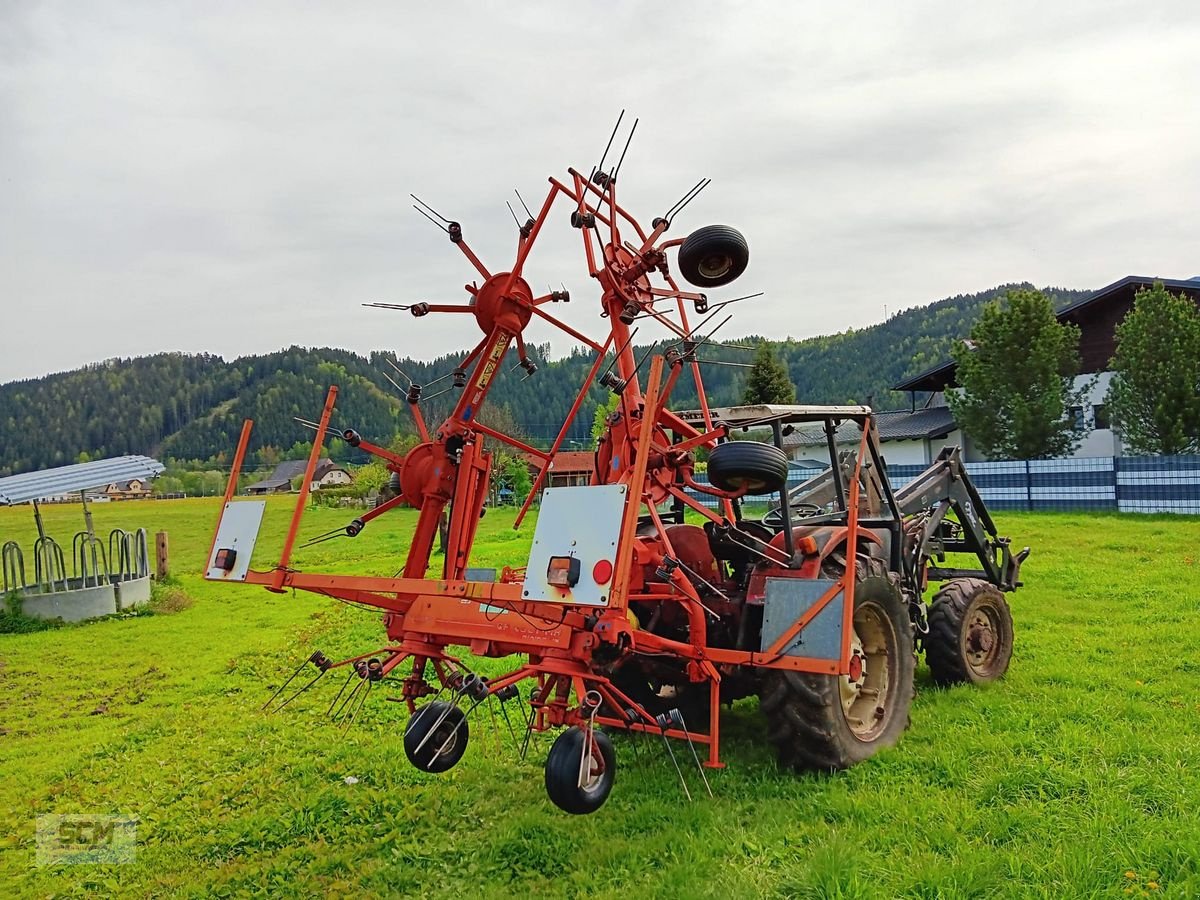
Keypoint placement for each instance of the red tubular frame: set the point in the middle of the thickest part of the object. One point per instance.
(424, 616)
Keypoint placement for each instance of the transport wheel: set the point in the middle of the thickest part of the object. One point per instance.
(760, 468)
(713, 255)
(970, 633)
(830, 722)
(447, 743)
(575, 789)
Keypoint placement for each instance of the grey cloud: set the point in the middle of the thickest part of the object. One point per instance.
(167, 169)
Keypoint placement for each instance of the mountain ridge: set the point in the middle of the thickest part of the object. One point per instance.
(191, 406)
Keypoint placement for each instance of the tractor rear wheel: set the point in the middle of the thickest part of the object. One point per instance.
(830, 722)
(970, 633)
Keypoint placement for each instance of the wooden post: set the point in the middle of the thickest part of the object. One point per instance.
(161, 556)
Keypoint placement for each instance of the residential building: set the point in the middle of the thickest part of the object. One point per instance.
(327, 474)
(1097, 317)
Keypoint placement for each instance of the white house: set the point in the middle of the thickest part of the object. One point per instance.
(907, 437)
(1097, 317)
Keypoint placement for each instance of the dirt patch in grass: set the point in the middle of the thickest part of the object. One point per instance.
(168, 598)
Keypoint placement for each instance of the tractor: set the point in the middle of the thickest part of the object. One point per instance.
(656, 594)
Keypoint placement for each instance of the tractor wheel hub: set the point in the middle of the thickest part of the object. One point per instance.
(980, 639)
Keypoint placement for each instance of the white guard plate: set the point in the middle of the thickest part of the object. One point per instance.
(238, 530)
(580, 521)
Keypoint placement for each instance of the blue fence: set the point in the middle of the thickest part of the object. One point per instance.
(1128, 484)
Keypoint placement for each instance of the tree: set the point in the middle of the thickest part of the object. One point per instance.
(600, 417)
(516, 472)
(1154, 397)
(768, 381)
(1016, 375)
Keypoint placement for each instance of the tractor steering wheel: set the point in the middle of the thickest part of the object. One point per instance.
(774, 517)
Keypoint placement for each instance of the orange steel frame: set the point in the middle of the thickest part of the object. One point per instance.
(424, 616)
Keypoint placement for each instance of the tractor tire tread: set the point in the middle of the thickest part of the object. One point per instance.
(803, 710)
(947, 611)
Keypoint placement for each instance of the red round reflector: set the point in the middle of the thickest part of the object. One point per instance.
(602, 572)
(856, 667)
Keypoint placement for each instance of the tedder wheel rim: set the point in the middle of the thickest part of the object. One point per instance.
(982, 637)
(716, 265)
(868, 692)
(593, 771)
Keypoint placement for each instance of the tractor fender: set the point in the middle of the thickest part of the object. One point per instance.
(830, 537)
(833, 538)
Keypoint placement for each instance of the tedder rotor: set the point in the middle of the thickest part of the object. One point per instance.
(649, 597)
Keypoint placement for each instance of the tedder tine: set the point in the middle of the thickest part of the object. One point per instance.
(318, 659)
(664, 722)
(677, 717)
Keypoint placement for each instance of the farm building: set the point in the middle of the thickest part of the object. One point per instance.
(134, 489)
(908, 437)
(571, 467)
(1096, 316)
(327, 474)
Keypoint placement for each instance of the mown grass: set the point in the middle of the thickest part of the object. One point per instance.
(1078, 775)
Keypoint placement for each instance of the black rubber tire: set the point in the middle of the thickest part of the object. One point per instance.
(562, 772)
(713, 255)
(807, 721)
(428, 758)
(762, 468)
(954, 646)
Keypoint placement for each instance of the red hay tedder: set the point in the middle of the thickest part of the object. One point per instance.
(641, 608)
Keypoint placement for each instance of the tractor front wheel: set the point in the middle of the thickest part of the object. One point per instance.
(579, 780)
(830, 722)
(970, 633)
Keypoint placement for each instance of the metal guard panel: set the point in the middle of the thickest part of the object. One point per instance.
(237, 530)
(582, 521)
(787, 599)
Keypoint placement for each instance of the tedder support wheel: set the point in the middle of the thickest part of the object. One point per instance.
(970, 633)
(760, 468)
(829, 722)
(579, 781)
(713, 255)
(436, 737)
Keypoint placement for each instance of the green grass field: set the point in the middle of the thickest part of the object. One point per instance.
(1077, 775)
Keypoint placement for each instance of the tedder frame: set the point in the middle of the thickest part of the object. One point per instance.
(628, 614)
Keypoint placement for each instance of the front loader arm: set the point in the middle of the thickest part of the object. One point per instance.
(927, 499)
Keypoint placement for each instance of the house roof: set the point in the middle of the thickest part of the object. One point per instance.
(567, 462)
(1096, 315)
(271, 484)
(294, 468)
(78, 477)
(898, 425)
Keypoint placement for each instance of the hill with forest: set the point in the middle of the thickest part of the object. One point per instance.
(191, 407)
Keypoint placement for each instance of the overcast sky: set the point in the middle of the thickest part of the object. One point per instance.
(233, 177)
